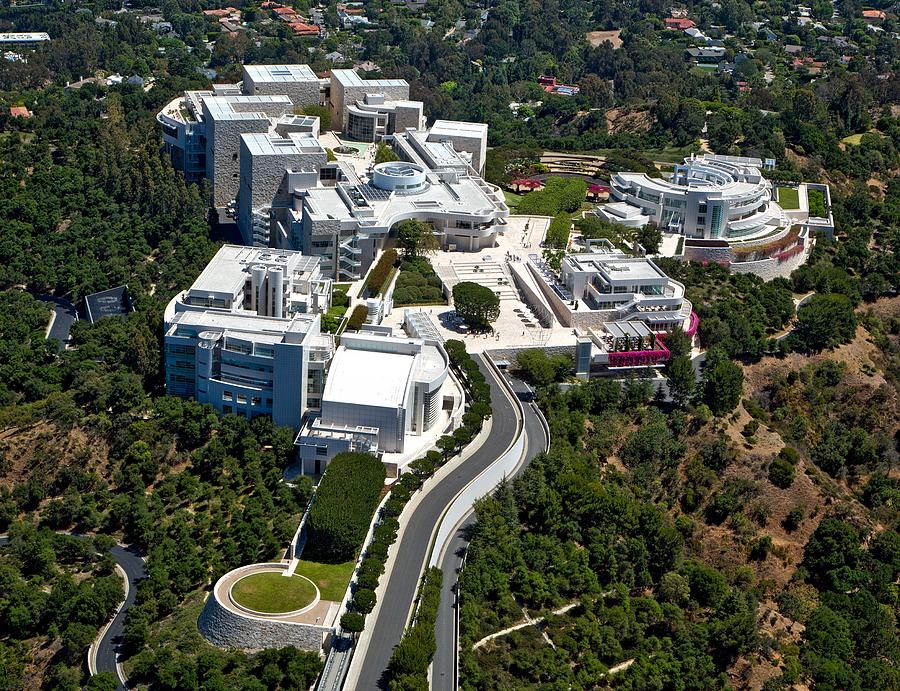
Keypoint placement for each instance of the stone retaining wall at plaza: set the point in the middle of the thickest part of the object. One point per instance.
(226, 628)
(223, 626)
(511, 353)
(767, 269)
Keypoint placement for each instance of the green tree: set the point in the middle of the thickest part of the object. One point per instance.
(384, 154)
(681, 379)
(722, 384)
(102, 681)
(321, 112)
(541, 369)
(477, 304)
(825, 321)
(353, 622)
(416, 238)
(650, 237)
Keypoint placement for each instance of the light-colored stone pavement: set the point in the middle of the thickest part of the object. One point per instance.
(318, 615)
(517, 326)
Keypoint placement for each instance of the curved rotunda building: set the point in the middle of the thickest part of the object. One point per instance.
(710, 197)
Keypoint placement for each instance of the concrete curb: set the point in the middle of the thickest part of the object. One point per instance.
(92, 651)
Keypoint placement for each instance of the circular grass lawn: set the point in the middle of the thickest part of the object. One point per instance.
(271, 592)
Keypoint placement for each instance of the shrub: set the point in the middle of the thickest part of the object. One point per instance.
(381, 272)
(782, 468)
(541, 369)
(760, 548)
(417, 284)
(558, 232)
(357, 318)
(781, 473)
(339, 298)
(343, 505)
(793, 519)
(816, 201)
(558, 195)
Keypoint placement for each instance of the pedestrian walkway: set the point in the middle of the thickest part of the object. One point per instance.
(525, 624)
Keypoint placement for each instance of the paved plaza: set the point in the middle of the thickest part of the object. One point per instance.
(518, 326)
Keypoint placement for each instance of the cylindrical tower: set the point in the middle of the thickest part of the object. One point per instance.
(276, 291)
(258, 289)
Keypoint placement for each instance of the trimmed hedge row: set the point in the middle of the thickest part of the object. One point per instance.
(558, 195)
(558, 232)
(342, 507)
(380, 273)
(408, 666)
(373, 563)
(357, 318)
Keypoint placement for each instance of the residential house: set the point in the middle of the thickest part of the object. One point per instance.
(679, 23)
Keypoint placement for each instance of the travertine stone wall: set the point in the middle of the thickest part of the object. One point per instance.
(227, 629)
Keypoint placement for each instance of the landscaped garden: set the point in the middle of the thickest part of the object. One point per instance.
(340, 302)
(418, 284)
(273, 593)
(816, 201)
(788, 198)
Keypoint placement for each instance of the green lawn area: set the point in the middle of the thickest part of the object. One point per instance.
(788, 198)
(854, 139)
(332, 579)
(512, 199)
(272, 592)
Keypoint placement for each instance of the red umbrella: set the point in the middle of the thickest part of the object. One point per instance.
(525, 182)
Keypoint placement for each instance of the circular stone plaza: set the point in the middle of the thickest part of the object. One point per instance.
(273, 592)
(267, 606)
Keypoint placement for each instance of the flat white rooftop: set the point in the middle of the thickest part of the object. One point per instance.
(24, 37)
(223, 107)
(617, 268)
(351, 78)
(369, 378)
(265, 144)
(247, 324)
(280, 73)
(456, 128)
(229, 268)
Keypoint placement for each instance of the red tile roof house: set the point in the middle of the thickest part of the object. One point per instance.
(19, 112)
(301, 29)
(873, 14)
(679, 23)
(812, 66)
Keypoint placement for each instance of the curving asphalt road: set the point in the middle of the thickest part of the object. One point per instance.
(106, 654)
(107, 650)
(444, 668)
(64, 315)
(412, 550)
